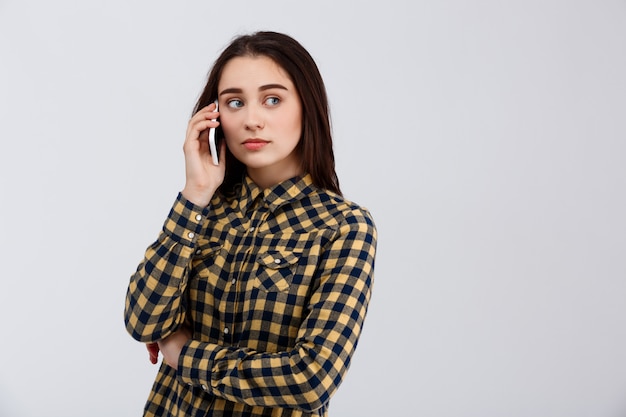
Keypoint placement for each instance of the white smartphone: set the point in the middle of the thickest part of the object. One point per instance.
(212, 144)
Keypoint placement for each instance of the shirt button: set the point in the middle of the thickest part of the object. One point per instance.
(204, 387)
(198, 251)
(233, 281)
(226, 330)
(190, 235)
(252, 229)
(277, 261)
(198, 217)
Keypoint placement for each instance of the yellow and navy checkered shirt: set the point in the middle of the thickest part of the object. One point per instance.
(274, 285)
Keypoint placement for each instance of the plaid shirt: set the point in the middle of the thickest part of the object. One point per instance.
(275, 286)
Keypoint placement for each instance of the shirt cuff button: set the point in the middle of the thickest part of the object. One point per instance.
(198, 217)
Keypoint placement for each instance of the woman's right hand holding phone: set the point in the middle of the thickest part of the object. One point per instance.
(202, 177)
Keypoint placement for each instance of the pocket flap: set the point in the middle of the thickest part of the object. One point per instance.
(277, 260)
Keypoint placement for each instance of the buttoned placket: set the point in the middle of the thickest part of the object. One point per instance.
(259, 214)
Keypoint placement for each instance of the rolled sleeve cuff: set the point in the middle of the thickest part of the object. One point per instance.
(185, 221)
(195, 363)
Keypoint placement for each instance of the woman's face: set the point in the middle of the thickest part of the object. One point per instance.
(261, 116)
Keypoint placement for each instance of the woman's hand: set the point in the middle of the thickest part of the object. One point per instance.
(153, 351)
(170, 347)
(202, 178)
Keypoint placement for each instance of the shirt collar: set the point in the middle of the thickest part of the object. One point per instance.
(293, 189)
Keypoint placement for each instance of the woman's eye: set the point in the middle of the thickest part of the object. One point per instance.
(272, 101)
(234, 103)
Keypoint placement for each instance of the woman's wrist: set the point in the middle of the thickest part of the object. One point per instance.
(200, 198)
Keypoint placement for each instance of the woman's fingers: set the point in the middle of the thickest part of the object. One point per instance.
(153, 351)
(202, 178)
(197, 127)
(197, 139)
(204, 119)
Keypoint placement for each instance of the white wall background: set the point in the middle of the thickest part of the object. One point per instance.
(488, 138)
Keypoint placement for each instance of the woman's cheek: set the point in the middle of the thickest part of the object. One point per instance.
(228, 123)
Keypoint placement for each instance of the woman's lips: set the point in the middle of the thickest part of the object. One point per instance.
(254, 144)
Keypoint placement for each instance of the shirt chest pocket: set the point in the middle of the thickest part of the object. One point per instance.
(275, 270)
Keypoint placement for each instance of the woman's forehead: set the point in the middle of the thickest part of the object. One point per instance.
(247, 72)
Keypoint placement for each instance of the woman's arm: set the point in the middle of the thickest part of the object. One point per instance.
(153, 303)
(307, 375)
(154, 307)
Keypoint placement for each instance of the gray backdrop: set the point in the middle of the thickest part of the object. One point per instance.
(486, 137)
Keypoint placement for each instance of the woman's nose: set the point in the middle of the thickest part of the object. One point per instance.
(254, 118)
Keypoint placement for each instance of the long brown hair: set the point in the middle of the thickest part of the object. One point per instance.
(316, 145)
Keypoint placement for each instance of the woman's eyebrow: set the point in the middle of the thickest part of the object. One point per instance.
(270, 86)
(261, 88)
(231, 90)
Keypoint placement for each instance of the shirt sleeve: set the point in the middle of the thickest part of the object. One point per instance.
(154, 307)
(307, 375)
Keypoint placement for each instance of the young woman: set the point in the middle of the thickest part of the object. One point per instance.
(256, 289)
